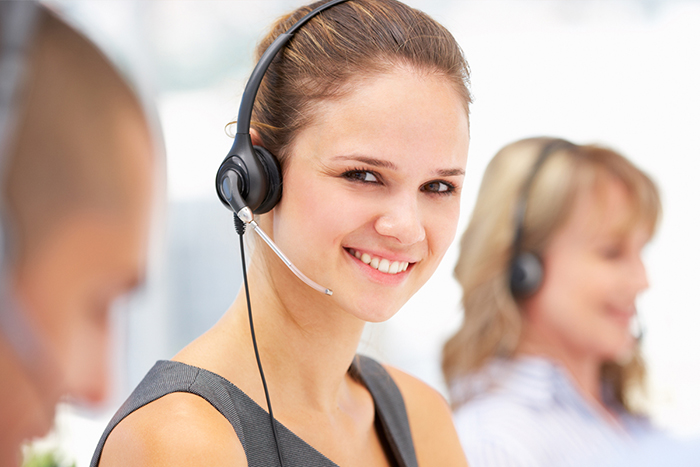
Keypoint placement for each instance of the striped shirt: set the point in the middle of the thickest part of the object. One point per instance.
(526, 412)
(658, 451)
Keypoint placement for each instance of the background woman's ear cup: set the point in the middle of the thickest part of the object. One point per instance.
(526, 269)
(526, 275)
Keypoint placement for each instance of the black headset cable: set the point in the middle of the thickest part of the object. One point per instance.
(240, 229)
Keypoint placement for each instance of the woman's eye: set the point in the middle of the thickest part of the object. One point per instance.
(438, 187)
(361, 176)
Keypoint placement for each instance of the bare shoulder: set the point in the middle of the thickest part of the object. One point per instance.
(179, 429)
(429, 415)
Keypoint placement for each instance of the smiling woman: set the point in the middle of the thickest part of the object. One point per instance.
(545, 367)
(366, 111)
(362, 180)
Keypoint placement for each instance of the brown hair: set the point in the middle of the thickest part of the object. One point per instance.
(339, 47)
(492, 318)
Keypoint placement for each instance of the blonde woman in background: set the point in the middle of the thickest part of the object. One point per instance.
(544, 369)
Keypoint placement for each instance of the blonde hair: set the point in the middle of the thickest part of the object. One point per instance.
(492, 318)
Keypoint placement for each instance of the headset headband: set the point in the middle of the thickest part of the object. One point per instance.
(245, 111)
(526, 269)
(521, 206)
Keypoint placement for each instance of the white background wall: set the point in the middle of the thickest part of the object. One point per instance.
(621, 73)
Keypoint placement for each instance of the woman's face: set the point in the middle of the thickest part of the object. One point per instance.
(593, 274)
(372, 190)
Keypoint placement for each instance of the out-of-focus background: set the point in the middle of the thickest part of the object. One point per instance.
(622, 73)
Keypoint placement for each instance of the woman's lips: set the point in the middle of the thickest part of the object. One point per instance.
(380, 264)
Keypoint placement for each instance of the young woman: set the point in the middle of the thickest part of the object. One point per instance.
(544, 369)
(366, 110)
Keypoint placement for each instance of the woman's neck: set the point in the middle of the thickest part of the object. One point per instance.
(306, 342)
(583, 368)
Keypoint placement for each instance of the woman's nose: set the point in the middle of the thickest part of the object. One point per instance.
(638, 275)
(401, 219)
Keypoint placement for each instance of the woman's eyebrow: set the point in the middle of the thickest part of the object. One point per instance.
(369, 161)
(390, 165)
(449, 172)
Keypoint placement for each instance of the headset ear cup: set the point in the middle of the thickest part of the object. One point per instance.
(526, 275)
(274, 177)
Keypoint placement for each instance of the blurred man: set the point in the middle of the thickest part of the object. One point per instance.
(76, 178)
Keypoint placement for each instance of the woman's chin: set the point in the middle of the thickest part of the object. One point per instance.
(624, 351)
(372, 311)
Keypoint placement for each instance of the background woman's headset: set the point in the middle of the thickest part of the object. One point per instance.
(526, 269)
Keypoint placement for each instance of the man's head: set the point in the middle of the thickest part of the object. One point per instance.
(77, 194)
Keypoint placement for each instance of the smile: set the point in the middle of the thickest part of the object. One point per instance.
(380, 264)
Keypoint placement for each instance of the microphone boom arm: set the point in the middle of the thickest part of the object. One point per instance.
(246, 215)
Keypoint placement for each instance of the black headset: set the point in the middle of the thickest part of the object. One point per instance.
(526, 269)
(250, 176)
(249, 181)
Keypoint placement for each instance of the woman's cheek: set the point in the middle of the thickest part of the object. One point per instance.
(441, 226)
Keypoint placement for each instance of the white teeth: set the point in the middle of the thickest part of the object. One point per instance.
(384, 265)
(381, 264)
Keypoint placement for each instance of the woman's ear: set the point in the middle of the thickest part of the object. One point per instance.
(255, 137)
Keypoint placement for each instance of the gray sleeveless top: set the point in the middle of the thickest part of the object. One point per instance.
(252, 423)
